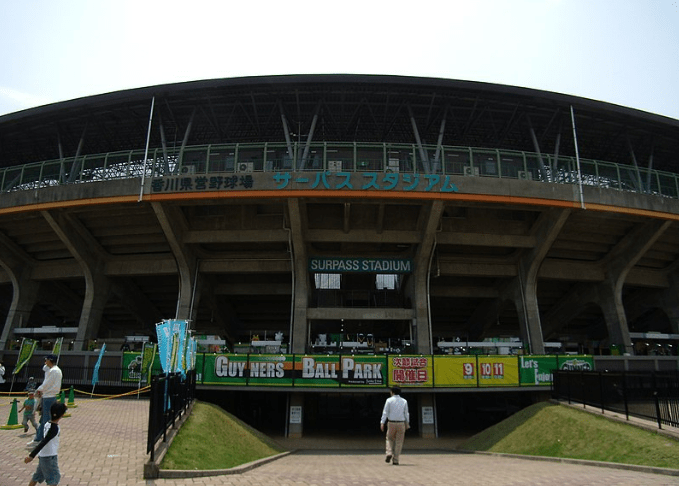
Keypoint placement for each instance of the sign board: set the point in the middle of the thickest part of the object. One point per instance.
(295, 414)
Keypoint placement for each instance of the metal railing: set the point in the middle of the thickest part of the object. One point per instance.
(339, 157)
(170, 397)
(650, 395)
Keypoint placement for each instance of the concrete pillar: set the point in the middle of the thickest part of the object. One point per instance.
(610, 301)
(300, 327)
(526, 301)
(426, 415)
(619, 262)
(25, 296)
(670, 302)
(295, 415)
(422, 324)
(96, 295)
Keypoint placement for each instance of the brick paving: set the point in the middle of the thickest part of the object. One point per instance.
(104, 443)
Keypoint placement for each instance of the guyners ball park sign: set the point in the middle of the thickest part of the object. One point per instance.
(302, 370)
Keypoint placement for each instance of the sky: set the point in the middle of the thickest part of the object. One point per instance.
(624, 52)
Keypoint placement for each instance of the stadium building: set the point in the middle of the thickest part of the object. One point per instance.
(342, 215)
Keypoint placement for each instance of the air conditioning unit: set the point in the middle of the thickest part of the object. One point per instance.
(471, 171)
(393, 166)
(188, 169)
(525, 175)
(245, 167)
(334, 165)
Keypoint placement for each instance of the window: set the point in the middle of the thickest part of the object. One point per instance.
(386, 281)
(327, 280)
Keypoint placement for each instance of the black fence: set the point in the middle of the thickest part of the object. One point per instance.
(647, 395)
(171, 395)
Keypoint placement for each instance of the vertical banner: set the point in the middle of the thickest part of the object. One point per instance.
(25, 353)
(164, 333)
(194, 352)
(56, 350)
(174, 349)
(147, 357)
(95, 373)
(410, 371)
(178, 329)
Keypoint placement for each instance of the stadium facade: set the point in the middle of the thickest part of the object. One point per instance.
(337, 214)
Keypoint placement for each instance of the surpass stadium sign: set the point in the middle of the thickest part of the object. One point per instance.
(360, 265)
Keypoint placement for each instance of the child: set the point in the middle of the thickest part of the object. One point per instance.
(47, 449)
(31, 385)
(29, 412)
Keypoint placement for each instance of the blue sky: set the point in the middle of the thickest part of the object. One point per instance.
(624, 52)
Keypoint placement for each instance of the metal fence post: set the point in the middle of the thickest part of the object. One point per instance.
(601, 390)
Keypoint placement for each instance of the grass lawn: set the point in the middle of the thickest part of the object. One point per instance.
(214, 439)
(552, 430)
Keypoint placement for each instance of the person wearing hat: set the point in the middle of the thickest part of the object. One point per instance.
(48, 392)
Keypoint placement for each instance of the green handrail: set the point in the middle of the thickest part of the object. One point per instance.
(338, 156)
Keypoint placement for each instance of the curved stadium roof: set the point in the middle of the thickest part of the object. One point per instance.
(361, 108)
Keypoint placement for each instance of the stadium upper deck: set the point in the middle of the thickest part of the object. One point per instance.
(520, 214)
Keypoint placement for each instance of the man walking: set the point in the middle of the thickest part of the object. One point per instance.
(48, 392)
(396, 412)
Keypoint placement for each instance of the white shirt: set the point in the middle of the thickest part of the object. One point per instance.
(395, 410)
(52, 447)
(2, 374)
(51, 386)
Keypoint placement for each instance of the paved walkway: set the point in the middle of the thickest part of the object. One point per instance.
(104, 443)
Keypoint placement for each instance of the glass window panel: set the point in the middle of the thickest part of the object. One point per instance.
(222, 159)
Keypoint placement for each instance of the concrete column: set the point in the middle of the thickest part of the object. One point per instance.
(174, 226)
(426, 408)
(617, 265)
(295, 404)
(670, 303)
(421, 324)
(610, 300)
(96, 295)
(25, 296)
(545, 230)
(92, 259)
(526, 300)
(300, 328)
(428, 224)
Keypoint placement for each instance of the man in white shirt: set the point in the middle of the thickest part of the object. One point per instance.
(48, 392)
(396, 413)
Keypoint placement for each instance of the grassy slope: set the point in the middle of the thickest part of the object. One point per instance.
(214, 439)
(546, 429)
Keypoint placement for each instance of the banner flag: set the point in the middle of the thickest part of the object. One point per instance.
(191, 354)
(95, 373)
(164, 333)
(147, 357)
(173, 353)
(56, 350)
(27, 348)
